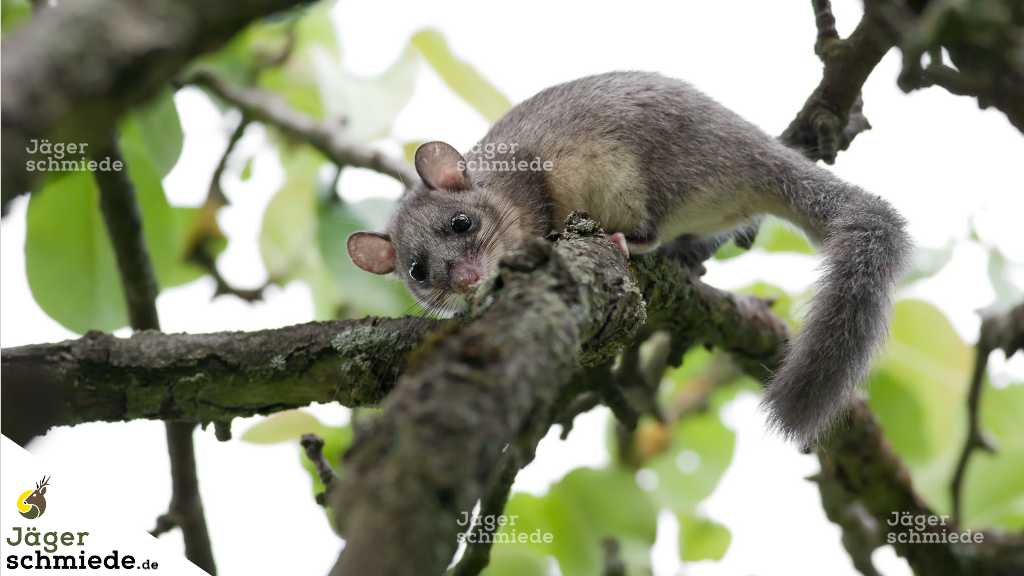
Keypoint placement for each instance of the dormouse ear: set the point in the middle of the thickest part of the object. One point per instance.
(441, 167)
(372, 252)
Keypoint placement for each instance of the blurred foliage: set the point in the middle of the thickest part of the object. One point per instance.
(289, 426)
(298, 57)
(460, 76)
(917, 388)
(774, 235)
(67, 239)
(14, 12)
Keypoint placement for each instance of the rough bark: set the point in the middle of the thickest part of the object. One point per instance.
(202, 377)
(831, 116)
(465, 398)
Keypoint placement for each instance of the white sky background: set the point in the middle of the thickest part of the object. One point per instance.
(937, 158)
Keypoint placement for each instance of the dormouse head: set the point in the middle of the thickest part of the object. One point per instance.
(447, 235)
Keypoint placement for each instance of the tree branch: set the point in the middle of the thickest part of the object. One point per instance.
(998, 332)
(326, 137)
(984, 42)
(203, 377)
(435, 449)
(831, 117)
(123, 219)
(313, 446)
(71, 71)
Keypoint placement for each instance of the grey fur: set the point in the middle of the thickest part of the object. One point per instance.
(656, 159)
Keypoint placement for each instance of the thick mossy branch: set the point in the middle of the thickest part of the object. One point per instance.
(695, 313)
(437, 447)
(71, 71)
(203, 377)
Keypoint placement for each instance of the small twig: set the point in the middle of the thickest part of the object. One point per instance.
(826, 24)
(697, 396)
(205, 230)
(1001, 331)
(613, 564)
(314, 448)
(267, 61)
(637, 380)
(216, 193)
(123, 220)
(610, 390)
(326, 137)
(584, 402)
(202, 257)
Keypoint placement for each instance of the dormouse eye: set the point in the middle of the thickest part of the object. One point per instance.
(461, 223)
(417, 271)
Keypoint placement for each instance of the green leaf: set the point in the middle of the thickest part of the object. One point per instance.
(778, 236)
(994, 485)
(512, 560)
(927, 262)
(633, 514)
(246, 171)
(902, 414)
(369, 104)
(409, 150)
(578, 514)
(242, 60)
(288, 235)
(66, 238)
(157, 127)
(366, 293)
(918, 388)
(14, 13)
(701, 449)
(167, 229)
(728, 251)
(702, 539)
(296, 83)
(287, 426)
(460, 76)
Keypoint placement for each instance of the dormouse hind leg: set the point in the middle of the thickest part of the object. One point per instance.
(692, 251)
(618, 240)
(643, 241)
(634, 243)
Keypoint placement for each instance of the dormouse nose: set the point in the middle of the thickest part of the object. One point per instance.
(465, 275)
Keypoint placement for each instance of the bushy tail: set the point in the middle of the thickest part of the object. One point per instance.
(865, 248)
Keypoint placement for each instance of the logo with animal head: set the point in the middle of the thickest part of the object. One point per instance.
(32, 503)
